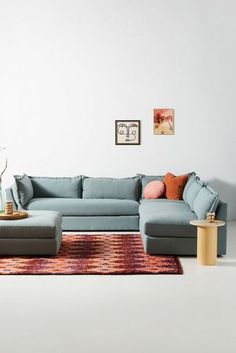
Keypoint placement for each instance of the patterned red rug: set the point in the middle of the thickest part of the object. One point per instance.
(94, 255)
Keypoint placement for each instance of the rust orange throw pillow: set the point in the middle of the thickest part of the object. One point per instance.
(174, 186)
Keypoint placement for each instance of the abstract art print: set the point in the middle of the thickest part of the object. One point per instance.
(163, 121)
(127, 132)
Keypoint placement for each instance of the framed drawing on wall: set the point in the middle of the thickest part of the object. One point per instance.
(127, 132)
(163, 121)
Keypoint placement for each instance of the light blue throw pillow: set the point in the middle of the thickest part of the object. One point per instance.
(22, 190)
(206, 201)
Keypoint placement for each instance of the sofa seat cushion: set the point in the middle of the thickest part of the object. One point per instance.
(163, 217)
(85, 207)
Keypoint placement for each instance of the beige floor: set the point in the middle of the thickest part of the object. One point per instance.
(192, 313)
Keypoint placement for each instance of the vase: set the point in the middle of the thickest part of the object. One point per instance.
(1, 200)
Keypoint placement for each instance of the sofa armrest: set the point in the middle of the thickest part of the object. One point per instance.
(10, 197)
(221, 214)
(221, 211)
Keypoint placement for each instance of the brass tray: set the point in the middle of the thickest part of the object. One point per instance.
(14, 215)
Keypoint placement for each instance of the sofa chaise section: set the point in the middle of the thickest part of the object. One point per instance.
(165, 228)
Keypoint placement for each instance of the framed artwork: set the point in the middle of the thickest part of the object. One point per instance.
(127, 132)
(163, 121)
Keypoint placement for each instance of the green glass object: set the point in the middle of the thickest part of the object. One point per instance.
(1, 201)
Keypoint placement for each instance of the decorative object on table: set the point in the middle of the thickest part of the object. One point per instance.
(2, 171)
(163, 121)
(127, 132)
(207, 241)
(9, 207)
(13, 216)
(211, 217)
(83, 254)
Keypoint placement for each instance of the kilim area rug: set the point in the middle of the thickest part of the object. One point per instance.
(94, 255)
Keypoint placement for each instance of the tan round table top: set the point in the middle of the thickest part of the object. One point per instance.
(204, 223)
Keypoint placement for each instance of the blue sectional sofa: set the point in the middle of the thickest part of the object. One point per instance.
(117, 204)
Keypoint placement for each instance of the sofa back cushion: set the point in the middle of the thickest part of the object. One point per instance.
(192, 190)
(57, 186)
(190, 181)
(22, 190)
(206, 201)
(111, 188)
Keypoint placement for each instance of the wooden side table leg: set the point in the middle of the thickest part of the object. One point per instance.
(206, 245)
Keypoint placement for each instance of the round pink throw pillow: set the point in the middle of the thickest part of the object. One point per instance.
(154, 189)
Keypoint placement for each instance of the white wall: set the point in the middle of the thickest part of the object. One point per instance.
(68, 69)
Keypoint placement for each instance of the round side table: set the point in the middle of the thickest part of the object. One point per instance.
(207, 241)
